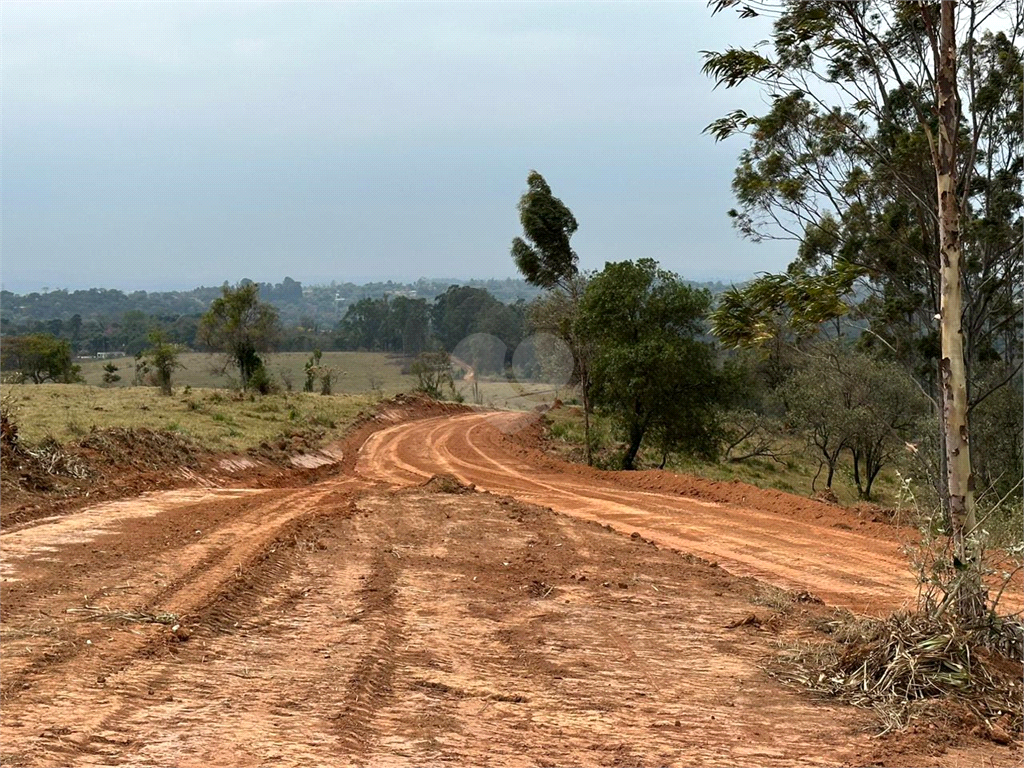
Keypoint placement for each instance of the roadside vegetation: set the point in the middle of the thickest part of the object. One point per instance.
(219, 419)
(793, 469)
(890, 153)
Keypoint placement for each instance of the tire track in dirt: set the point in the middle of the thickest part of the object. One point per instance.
(845, 568)
(348, 623)
(754, 553)
(400, 627)
(370, 684)
(252, 548)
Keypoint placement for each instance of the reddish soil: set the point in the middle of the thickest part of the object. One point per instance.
(122, 463)
(357, 615)
(845, 558)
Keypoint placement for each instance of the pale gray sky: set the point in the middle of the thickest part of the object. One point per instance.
(163, 145)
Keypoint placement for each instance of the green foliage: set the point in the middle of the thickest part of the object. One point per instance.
(398, 324)
(317, 371)
(110, 374)
(847, 402)
(762, 310)
(461, 312)
(997, 426)
(242, 326)
(544, 255)
(312, 366)
(842, 162)
(260, 381)
(40, 357)
(162, 359)
(845, 161)
(649, 370)
(433, 372)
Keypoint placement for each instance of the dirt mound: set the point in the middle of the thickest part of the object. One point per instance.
(826, 496)
(281, 449)
(447, 484)
(143, 449)
(43, 468)
(48, 479)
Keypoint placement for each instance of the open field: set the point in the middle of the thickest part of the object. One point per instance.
(358, 372)
(216, 418)
(370, 373)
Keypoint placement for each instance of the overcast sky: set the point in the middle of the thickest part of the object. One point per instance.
(164, 145)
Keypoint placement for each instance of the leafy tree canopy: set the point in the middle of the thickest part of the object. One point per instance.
(544, 254)
(242, 326)
(650, 370)
(40, 357)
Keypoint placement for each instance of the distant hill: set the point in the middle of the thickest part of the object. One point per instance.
(324, 305)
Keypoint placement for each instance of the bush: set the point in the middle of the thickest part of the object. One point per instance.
(261, 382)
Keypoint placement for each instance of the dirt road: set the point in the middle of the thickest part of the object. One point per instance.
(817, 552)
(349, 621)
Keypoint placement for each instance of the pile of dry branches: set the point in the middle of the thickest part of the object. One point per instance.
(895, 665)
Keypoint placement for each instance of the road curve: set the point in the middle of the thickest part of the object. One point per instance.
(862, 572)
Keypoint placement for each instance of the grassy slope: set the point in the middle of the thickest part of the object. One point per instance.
(216, 418)
(794, 475)
(204, 407)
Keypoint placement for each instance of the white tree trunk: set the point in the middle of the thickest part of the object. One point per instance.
(970, 598)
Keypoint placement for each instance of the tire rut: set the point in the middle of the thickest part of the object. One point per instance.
(370, 685)
(846, 568)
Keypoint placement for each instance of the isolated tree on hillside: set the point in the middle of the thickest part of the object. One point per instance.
(161, 357)
(650, 370)
(242, 326)
(545, 257)
(883, 169)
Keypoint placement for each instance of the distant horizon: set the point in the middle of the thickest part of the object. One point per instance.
(154, 146)
(24, 288)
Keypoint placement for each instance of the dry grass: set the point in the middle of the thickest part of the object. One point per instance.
(510, 395)
(217, 419)
(358, 372)
(900, 665)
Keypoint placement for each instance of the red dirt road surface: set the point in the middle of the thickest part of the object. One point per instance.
(366, 618)
(797, 544)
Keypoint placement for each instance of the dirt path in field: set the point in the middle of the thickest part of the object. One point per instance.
(352, 622)
(792, 543)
